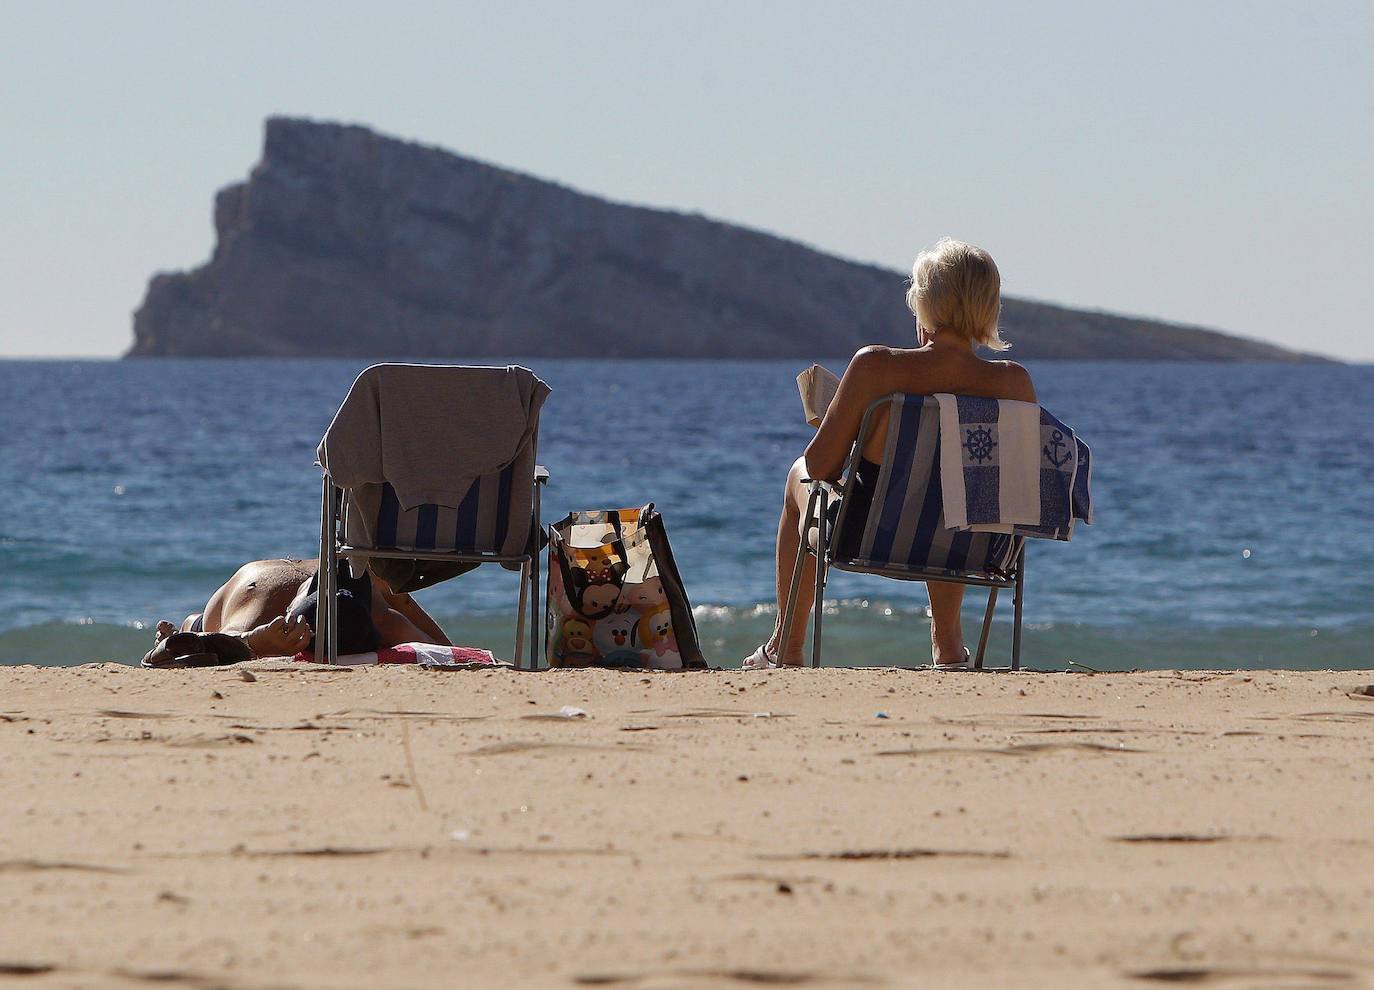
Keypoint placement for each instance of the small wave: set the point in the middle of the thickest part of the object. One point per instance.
(732, 613)
(67, 644)
(858, 632)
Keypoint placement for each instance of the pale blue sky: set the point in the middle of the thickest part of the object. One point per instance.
(1201, 162)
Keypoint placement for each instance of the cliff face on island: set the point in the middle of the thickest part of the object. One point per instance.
(346, 243)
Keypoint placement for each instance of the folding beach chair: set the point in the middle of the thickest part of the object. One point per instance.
(497, 521)
(903, 535)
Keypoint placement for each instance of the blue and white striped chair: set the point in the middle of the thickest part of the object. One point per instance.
(903, 534)
(496, 522)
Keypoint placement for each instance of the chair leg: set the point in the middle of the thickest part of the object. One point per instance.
(332, 598)
(802, 550)
(520, 614)
(1017, 603)
(536, 612)
(321, 644)
(821, 557)
(334, 582)
(536, 625)
(987, 627)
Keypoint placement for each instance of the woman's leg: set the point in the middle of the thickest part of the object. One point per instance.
(946, 629)
(394, 628)
(788, 648)
(387, 600)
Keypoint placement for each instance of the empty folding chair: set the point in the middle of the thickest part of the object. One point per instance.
(429, 471)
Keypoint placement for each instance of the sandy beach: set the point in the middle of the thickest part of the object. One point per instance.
(398, 828)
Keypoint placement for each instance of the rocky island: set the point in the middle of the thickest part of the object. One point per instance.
(344, 242)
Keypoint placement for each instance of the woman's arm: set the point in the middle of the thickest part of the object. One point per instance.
(863, 381)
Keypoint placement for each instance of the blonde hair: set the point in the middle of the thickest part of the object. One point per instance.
(956, 288)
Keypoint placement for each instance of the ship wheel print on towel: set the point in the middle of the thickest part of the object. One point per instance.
(979, 444)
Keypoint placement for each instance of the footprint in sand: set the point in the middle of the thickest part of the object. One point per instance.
(1276, 978)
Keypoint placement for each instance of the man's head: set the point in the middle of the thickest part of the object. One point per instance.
(357, 634)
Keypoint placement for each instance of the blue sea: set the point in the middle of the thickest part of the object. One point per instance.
(1234, 520)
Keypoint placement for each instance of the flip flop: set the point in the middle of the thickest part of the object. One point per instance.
(185, 649)
(759, 660)
(964, 664)
(189, 660)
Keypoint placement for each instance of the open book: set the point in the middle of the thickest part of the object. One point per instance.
(817, 386)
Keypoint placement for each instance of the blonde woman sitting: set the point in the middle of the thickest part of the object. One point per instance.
(955, 295)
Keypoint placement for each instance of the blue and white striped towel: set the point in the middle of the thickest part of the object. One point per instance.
(1011, 467)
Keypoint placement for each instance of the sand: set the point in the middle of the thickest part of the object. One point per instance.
(398, 828)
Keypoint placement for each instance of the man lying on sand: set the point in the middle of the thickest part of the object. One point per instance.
(268, 609)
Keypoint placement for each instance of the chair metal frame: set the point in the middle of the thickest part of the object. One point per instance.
(332, 547)
(817, 515)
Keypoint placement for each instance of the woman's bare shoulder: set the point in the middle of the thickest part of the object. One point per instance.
(893, 369)
(875, 364)
(1017, 380)
(876, 354)
(887, 358)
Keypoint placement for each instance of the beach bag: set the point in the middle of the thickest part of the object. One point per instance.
(615, 596)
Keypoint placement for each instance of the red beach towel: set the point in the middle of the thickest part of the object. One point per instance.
(421, 653)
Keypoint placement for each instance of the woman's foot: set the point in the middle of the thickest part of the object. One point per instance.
(760, 659)
(947, 650)
(961, 663)
(764, 658)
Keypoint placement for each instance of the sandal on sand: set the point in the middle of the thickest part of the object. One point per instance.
(186, 649)
(760, 660)
(964, 664)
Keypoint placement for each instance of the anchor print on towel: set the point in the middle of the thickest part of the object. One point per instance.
(979, 444)
(1052, 448)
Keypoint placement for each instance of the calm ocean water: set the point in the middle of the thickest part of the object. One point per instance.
(1233, 504)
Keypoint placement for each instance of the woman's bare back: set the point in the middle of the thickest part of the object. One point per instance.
(878, 371)
(926, 371)
(259, 592)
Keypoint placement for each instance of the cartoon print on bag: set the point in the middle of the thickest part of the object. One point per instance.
(645, 596)
(575, 639)
(594, 599)
(655, 629)
(597, 600)
(615, 632)
(577, 583)
(668, 659)
(657, 641)
(615, 637)
(599, 564)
